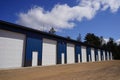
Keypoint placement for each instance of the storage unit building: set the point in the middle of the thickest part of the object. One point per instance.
(21, 47)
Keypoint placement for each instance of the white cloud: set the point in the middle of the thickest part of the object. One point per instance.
(114, 5)
(106, 40)
(118, 41)
(63, 16)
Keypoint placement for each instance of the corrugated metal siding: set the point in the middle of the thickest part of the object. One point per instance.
(96, 54)
(88, 54)
(61, 49)
(33, 43)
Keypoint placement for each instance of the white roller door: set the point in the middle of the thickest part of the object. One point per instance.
(104, 55)
(84, 55)
(11, 49)
(49, 52)
(108, 56)
(93, 54)
(111, 58)
(70, 53)
(99, 55)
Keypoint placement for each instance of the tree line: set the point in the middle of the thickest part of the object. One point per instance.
(92, 39)
(111, 45)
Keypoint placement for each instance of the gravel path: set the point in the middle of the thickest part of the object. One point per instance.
(105, 70)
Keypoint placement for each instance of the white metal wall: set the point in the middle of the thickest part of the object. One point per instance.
(93, 54)
(99, 55)
(84, 55)
(11, 49)
(70, 53)
(49, 52)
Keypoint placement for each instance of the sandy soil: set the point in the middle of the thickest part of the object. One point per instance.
(106, 70)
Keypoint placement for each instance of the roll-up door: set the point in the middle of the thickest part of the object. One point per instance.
(99, 55)
(11, 49)
(108, 56)
(70, 53)
(49, 52)
(84, 54)
(93, 54)
(104, 55)
(111, 58)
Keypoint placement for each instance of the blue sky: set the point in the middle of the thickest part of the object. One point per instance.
(102, 21)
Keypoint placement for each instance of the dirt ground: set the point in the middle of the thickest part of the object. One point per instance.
(105, 70)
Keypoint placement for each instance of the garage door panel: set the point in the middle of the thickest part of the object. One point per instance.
(49, 52)
(70, 53)
(84, 56)
(11, 51)
(99, 55)
(93, 54)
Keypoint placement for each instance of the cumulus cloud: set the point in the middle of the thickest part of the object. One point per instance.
(64, 16)
(106, 40)
(118, 41)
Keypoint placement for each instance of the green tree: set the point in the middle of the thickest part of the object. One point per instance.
(68, 37)
(52, 31)
(79, 37)
(112, 46)
(92, 39)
